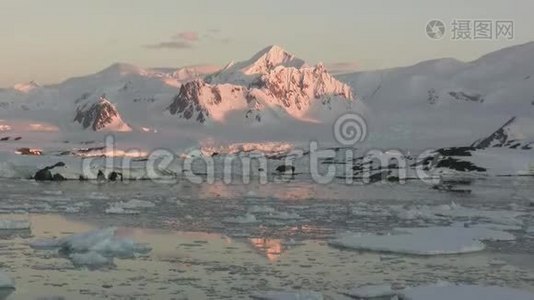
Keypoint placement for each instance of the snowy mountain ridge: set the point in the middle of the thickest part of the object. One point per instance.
(272, 83)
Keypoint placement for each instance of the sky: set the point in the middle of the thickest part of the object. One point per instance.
(49, 41)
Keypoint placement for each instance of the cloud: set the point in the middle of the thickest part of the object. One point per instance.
(189, 39)
(188, 36)
(170, 45)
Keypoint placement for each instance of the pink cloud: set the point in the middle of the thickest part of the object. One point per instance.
(189, 36)
(170, 45)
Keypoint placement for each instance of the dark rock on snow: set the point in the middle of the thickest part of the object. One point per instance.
(45, 174)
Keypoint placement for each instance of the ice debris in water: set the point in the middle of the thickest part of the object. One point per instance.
(446, 291)
(7, 286)
(93, 259)
(94, 248)
(128, 208)
(283, 216)
(261, 209)
(97, 196)
(290, 295)
(134, 203)
(455, 239)
(114, 210)
(246, 219)
(372, 291)
(53, 193)
(14, 224)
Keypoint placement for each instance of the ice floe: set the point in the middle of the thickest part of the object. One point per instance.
(246, 219)
(97, 196)
(115, 210)
(372, 292)
(261, 209)
(7, 286)
(444, 291)
(135, 203)
(290, 295)
(129, 208)
(14, 224)
(454, 239)
(93, 259)
(283, 216)
(94, 248)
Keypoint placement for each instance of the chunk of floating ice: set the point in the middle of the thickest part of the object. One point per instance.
(54, 193)
(292, 295)
(246, 219)
(5, 282)
(89, 248)
(92, 259)
(97, 196)
(114, 210)
(372, 291)
(7, 286)
(283, 216)
(72, 209)
(128, 208)
(445, 291)
(261, 209)
(14, 225)
(134, 203)
(455, 239)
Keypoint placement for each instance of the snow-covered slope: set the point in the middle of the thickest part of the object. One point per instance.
(132, 95)
(277, 97)
(446, 101)
(263, 62)
(26, 87)
(100, 115)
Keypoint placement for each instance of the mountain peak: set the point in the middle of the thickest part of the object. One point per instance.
(121, 69)
(100, 115)
(269, 58)
(273, 50)
(26, 87)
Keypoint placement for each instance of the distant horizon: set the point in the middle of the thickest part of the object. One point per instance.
(334, 68)
(50, 41)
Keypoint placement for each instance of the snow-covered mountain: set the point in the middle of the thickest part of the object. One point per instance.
(26, 87)
(273, 84)
(442, 101)
(100, 115)
(276, 95)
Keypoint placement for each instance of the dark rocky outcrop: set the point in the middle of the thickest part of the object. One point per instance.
(100, 176)
(58, 177)
(45, 174)
(456, 151)
(113, 176)
(98, 115)
(28, 151)
(286, 169)
(459, 165)
(498, 139)
(450, 189)
(187, 103)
